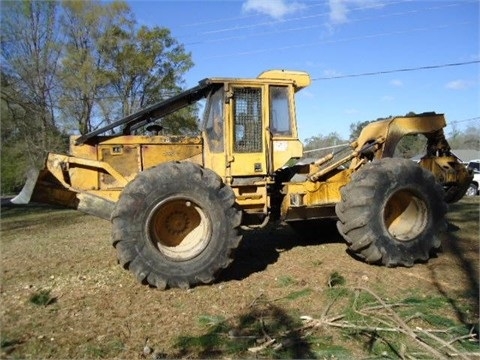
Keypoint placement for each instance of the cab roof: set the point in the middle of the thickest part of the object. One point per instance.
(298, 79)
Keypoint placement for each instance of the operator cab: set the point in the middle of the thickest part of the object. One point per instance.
(249, 126)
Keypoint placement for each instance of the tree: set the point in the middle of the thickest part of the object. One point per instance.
(184, 122)
(407, 147)
(146, 66)
(467, 139)
(72, 73)
(30, 54)
(12, 162)
(85, 25)
(411, 145)
(320, 145)
(356, 128)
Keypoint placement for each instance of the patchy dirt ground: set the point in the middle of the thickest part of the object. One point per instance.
(98, 310)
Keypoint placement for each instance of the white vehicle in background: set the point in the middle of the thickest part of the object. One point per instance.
(474, 165)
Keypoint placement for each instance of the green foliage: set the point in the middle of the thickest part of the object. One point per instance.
(6, 342)
(113, 68)
(249, 334)
(23, 143)
(182, 122)
(356, 129)
(336, 279)
(428, 309)
(210, 343)
(467, 139)
(71, 67)
(207, 343)
(83, 72)
(145, 65)
(42, 297)
(211, 320)
(298, 294)
(106, 349)
(337, 292)
(324, 348)
(324, 143)
(379, 326)
(286, 280)
(12, 168)
(411, 145)
(426, 302)
(30, 54)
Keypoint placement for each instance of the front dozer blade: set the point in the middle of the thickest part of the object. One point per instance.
(26, 194)
(43, 187)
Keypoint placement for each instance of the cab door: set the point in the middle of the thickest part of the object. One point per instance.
(248, 132)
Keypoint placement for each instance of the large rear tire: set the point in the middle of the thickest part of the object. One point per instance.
(176, 225)
(392, 212)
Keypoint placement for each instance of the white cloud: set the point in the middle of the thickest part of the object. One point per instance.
(331, 73)
(388, 98)
(396, 83)
(459, 84)
(339, 9)
(274, 8)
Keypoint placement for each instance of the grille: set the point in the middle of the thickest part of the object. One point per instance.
(248, 120)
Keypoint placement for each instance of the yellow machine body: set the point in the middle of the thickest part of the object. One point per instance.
(255, 153)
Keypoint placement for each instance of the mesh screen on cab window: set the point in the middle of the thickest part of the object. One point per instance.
(248, 120)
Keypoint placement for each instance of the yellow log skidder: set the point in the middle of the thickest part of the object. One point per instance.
(177, 204)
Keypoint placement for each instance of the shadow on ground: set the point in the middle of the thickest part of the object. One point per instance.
(459, 249)
(265, 328)
(261, 248)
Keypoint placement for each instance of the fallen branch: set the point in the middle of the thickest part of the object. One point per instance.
(404, 328)
(389, 321)
(444, 343)
(259, 348)
(469, 336)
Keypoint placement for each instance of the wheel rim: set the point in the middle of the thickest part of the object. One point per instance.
(179, 228)
(405, 215)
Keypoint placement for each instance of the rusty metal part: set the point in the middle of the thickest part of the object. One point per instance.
(354, 154)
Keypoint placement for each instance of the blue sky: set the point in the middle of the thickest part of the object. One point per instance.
(335, 38)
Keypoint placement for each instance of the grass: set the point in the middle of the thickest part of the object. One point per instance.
(379, 328)
(298, 294)
(65, 296)
(335, 279)
(106, 349)
(382, 327)
(249, 334)
(42, 297)
(286, 281)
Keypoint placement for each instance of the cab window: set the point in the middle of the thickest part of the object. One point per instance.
(214, 125)
(280, 124)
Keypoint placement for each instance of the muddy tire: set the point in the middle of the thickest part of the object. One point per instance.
(392, 213)
(176, 225)
(456, 193)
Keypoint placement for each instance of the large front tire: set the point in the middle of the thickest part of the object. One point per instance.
(176, 225)
(392, 212)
